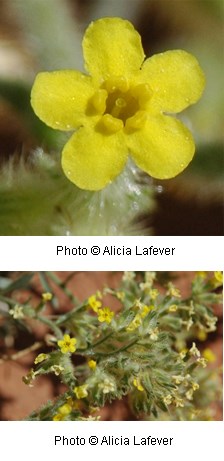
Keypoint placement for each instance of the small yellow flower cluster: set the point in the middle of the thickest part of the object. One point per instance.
(67, 344)
(65, 409)
(104, 314)
(137, 321)
(47, 296)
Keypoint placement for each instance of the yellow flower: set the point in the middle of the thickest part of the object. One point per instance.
(105, 315)
(93, 303)
(219, 276)
(209, 355)
(120, 295)
(47, 296)
(201, 274)
(138, 385)
(183, 353)
(40, 358)
(217, 280)
(145, 310)
(67, 344)
(92, 364)
(135, 323)
(202, 335)
(121, 106)
(58, 417)
(153, 293)
(81, 391)
(65, 409)
(195, 386)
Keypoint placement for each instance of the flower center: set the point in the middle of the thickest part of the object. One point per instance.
(121, 105)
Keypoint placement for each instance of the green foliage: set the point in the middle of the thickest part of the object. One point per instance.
(37, 199)
(144, 352)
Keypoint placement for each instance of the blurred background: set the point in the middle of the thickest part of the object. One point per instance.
(40, 35)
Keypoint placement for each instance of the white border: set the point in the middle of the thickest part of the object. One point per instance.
(191, 440)
(40, 253)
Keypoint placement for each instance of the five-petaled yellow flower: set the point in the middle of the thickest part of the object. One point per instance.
(81, 391)
(94, 303)
(105, 315)
(67, 344)
(124, 105)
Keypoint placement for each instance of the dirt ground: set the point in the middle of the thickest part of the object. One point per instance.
(18, 400)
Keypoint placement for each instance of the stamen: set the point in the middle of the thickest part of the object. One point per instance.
(111, 124)
(142, 92)
(137, 121)
(98, 101)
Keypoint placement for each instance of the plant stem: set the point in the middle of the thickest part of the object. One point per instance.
(51, 324)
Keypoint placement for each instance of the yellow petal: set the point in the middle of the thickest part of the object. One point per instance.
(176, 79)
(111, 46)
(162, 148)
(91, 159)
(60, 98)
